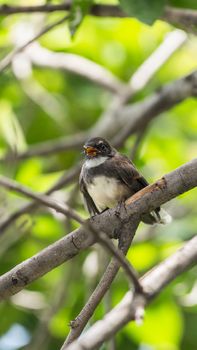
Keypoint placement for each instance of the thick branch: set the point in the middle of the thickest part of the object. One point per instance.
(153, 282)
(69, 212)
(171, 185)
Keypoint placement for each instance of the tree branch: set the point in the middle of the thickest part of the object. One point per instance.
(105, 125)
(71, 213)
(79, 323)
(171, 185)
(76, 64)
(180, 15)
(6, 61)
(171, 14)
(172, 42)
(153, 282)
(135, 117)
(43, 199)
(129, 119)
(64, 180)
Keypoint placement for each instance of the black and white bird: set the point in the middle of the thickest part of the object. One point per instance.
(108, 178)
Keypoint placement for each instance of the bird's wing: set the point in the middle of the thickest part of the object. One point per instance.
(126, 172)
(87, 198)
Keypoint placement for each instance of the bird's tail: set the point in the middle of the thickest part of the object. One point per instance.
(161, 216)
(158, 216)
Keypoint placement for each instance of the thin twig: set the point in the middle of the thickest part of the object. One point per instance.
(119, 256)
(67, 178)
(6, 61)
(45, 200)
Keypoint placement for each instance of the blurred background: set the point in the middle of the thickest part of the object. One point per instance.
(41, 104)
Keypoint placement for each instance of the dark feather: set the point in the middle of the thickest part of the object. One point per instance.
(87, 198)
(134, 180)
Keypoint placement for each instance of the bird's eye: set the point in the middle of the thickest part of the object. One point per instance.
(102, 147)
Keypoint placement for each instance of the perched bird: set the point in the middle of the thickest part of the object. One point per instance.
(108, 178)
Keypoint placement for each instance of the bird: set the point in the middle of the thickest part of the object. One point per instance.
(108, 178)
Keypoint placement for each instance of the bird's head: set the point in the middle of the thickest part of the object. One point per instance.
(98, 147)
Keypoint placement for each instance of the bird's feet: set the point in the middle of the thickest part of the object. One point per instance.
(104, 210)
(119, 207)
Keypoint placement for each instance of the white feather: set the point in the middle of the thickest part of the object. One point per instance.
(106, 192)
(165, 218)
(94, 162)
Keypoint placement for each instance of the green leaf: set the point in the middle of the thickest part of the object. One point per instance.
(146, 11)
(79, 9)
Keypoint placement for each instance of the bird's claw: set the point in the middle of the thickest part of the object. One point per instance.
(121, 204)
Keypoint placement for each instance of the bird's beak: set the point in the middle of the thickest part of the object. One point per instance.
(90, 151)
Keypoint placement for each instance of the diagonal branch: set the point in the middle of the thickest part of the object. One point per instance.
(64, 180)
(71, 213)
(106, 125)
(43, 199)
(134, 117)
(153, 282)
(79, 323)
(171, 185)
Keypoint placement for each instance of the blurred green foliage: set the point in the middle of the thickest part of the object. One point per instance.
(120, 45)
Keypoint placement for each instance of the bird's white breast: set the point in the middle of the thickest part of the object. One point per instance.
(106, 192)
